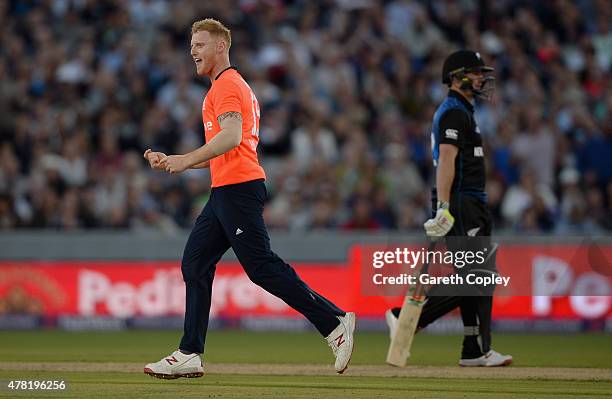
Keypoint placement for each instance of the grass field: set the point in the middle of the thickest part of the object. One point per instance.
(256, 365)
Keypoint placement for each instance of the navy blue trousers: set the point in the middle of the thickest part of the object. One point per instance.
(232, 209)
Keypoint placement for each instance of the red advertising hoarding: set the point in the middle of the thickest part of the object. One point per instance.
(136, 288)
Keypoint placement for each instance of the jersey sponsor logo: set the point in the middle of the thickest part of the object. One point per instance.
(451, 134)
(208, 126)
(478, 152)
(239, 231)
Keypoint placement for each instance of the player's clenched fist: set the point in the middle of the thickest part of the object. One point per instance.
(174, 163)
(441, 224)
(154, 159)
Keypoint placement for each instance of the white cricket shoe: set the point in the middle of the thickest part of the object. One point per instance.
(341, 341)
(175, 366)
(490, 359)
(391, 322)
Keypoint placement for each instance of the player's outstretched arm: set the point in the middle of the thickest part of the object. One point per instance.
(227, 139)
(201, 165)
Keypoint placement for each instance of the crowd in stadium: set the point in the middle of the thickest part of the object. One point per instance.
(347, 92)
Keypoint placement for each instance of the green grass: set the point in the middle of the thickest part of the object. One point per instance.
(591, 350)
(121, 385)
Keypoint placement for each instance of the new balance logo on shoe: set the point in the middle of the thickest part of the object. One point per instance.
(176, 365)
(341, 341)
(238, 231)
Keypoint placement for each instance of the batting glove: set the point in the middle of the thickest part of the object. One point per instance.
(442, 223)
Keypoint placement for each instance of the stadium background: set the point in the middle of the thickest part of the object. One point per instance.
(90, 238)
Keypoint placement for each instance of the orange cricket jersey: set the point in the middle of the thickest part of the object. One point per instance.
(231, 93)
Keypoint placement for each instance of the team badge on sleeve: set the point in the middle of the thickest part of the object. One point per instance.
(451, 134)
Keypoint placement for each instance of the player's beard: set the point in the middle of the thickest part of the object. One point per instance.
(200, 68)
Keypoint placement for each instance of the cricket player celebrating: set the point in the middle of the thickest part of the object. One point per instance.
(459, 203)
(233, 216)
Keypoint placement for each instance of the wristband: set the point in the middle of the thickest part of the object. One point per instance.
(443, 205)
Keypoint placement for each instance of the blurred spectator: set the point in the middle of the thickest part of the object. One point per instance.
(363, 218)
(7, 217)
(346, 90)
(595, 158)
(313, 140)
(534, 147)
(530, 203)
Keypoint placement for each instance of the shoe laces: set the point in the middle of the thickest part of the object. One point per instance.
(491, 352)
(336, 342)
(333, 346)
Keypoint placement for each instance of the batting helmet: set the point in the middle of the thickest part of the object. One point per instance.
(463, 61)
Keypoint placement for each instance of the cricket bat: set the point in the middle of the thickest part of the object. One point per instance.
(399, 349)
